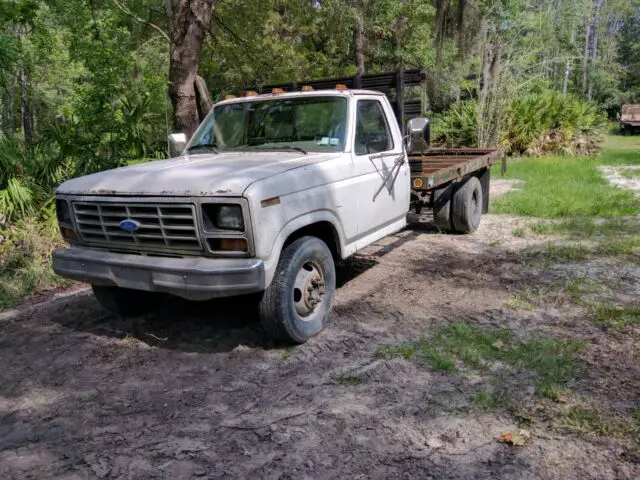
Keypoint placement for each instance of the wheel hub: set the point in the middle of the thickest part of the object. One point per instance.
(309, 289)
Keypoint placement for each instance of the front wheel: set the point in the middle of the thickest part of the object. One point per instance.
(296, 305)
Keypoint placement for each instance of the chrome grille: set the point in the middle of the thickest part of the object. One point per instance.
(162, 226)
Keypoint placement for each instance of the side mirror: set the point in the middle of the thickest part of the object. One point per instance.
(419, 133)
(177, 143)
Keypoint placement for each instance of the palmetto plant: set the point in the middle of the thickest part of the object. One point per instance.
(16, 193)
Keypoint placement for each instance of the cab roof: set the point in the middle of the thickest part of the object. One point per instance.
(311, 93)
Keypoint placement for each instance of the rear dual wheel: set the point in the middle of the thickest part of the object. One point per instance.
(458, 207)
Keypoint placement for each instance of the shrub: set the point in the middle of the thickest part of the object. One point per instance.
(550, 122)
(542, 122)
(458, 126)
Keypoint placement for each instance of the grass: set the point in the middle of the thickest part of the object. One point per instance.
(616, 316)
(491, 399)
(349, 380)
(25, 264)
(590, 421)
(582, 227)
(548, 361)
(519, 232)
(631, 172)
(557, 187)
(529, 298)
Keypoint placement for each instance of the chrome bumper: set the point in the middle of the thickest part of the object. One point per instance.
(194, 278)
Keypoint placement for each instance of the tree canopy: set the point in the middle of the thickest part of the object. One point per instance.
(88, 85)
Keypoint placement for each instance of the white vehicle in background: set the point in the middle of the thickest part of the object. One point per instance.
(269, 193)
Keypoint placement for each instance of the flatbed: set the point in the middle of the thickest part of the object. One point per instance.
(436, 167)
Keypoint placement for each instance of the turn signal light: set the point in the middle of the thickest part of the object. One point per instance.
(307, 88)
(228, 244)
(418, 183)
(250, 93)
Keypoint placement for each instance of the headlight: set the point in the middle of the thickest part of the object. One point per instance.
(63, 212)
(222, 217)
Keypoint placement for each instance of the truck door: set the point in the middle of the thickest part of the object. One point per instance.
(380, 164)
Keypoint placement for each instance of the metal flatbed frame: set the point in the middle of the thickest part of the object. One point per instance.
(436, 167)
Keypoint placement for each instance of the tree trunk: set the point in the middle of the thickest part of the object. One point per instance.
(567, 72)
(585, 59)
(359, 44)
(11, 119)
(190, 21)
(27, 129)
(441, 17)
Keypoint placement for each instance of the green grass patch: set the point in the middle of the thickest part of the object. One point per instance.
(349, 380)
(618, 246)
(590, 421)
(532, 297)
(549, 362)
(583, 227)
(557, 253)
(616, 316)
(491, 399)
(571, 186)
(632, 173)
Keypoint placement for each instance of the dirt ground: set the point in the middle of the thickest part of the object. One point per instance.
(198, 390)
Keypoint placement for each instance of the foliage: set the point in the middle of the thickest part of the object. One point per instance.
(542, 122)
(458, 126)
(548, 122)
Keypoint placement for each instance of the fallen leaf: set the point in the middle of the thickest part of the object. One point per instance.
(516, 439)
(562, 399)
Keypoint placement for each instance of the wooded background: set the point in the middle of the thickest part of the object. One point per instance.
(87, 85)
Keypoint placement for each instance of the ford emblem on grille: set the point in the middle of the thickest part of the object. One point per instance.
(129, 225)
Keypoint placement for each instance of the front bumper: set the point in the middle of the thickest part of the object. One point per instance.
(194, 278)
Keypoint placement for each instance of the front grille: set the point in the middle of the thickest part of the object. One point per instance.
(162, 226)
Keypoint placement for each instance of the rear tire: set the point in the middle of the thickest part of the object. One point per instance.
(126, 302)
(467, 206)
(442, 207)
(296, 305)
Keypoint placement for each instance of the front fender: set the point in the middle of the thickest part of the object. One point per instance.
(297, 224)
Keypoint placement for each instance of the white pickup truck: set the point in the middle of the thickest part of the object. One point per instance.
(267, 195)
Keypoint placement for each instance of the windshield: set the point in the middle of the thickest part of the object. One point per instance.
(316, 124)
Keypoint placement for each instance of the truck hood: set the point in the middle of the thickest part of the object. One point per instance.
(223, 174)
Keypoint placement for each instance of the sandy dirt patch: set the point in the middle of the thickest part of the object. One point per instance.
(198, 390)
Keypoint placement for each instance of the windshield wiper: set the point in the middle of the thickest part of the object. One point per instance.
(282, 147)
(212, 147)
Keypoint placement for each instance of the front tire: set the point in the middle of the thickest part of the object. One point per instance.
(296, 305)
(126, 302)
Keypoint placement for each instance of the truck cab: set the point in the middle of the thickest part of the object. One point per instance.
(269, 192)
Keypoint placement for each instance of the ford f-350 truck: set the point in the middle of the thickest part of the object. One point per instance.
(267, 195)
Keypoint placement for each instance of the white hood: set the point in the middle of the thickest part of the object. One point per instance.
(224, 174)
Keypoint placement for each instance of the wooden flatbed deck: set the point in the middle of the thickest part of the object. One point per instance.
(439, 166)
